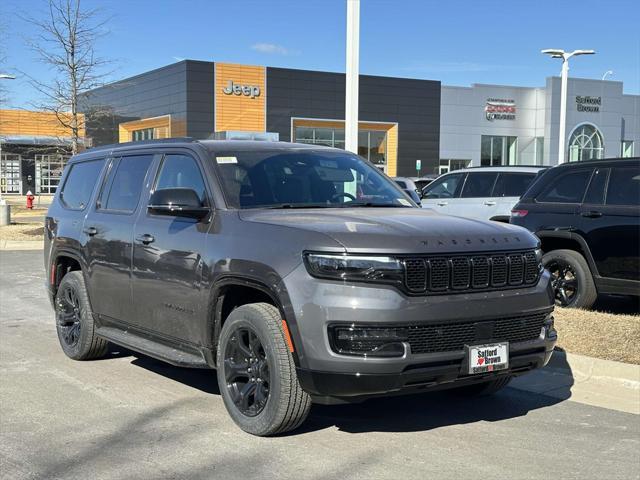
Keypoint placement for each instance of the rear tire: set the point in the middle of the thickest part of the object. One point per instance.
(74, 320)
(256, 373)
(571, 278)
(484, 389)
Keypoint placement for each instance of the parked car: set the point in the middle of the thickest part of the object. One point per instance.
(587, 216)
(300, 272)
(410, 188)
(485, 193)
(422, 182)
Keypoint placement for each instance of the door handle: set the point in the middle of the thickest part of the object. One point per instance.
(591, 214)
(442, 204)
(145, 239)
(489, 203)
(91, 231)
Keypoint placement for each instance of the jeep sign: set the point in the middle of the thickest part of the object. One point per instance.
(246, 90)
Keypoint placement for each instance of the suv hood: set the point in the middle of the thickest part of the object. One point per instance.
(398, 230)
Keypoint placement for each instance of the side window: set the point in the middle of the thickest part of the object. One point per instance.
(478, 185)
(124, 185)
(567, 188)
(181, 171)
(512, 184)
(81, 180)
(624, 186)
(444, 187)
(595, 192)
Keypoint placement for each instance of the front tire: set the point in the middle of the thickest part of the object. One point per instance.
(256, 373)
(571, 278)
(74, 320)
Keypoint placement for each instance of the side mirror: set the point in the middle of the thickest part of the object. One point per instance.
(177, 202)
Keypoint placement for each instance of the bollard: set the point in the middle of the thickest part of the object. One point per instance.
(5, 213)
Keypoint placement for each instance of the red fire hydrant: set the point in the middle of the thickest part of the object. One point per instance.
(30, 198)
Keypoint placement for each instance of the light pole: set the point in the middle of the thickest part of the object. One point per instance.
(351, 90)
(565, 56)
(608, 72)
(5, 217)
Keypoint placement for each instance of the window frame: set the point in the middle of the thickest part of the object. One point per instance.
(71, 166)
(108, 179)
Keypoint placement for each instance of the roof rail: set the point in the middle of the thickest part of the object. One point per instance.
(162, 141)
(507, 166)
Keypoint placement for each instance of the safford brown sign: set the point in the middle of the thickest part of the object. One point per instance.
(585, 103)
(500, 109)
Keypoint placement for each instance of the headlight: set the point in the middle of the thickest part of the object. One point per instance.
(354, 267)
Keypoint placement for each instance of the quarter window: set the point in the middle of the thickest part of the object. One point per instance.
(181, 171)
(478, 185)
(568, 188)
(80, 183)
(125, 182)
(624, 186)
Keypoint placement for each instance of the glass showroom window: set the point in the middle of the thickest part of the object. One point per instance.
(144, 134)
(496, 151)
(627, 149)
(585, 144)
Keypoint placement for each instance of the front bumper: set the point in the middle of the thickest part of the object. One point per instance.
(317, 304)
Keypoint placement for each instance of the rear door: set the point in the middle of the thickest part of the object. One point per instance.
(476, 200)
(508, 189)
(108, 232)
(442, 191)
(168, 256)
(610, 221)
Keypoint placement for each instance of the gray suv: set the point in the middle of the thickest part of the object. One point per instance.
(300, 273)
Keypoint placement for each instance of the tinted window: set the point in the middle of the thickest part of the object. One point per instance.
(568, 188)
(512, 184)
(401, 184)
(444, 187)
(181, 171)
(478, 185)
(595, 192)
(79, 184)
(125, 183)
(624, 186)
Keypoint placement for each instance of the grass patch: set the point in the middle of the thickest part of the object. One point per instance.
(22, 231)
(599, 334)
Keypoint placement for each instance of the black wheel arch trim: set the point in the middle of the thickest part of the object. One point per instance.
(276, 293)
(567, 235)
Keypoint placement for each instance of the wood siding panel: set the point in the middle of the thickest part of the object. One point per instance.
(24, 122)
(240, 112)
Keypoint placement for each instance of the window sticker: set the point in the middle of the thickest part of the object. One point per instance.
(223, 160)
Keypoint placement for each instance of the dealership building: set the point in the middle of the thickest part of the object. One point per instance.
(401, 120)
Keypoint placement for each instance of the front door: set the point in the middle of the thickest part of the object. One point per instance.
(108, 230)
(439, 193)
(476, 200)
(167, 258)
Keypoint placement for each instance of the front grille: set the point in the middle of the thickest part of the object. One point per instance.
(445, 274)
(454, 336)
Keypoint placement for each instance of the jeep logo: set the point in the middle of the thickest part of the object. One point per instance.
(252, 91)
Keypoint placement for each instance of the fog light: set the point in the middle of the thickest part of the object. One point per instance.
(369, 341)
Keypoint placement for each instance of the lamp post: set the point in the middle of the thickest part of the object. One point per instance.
(351, 90)
(608, 72)
(5, 215)
(565, 56)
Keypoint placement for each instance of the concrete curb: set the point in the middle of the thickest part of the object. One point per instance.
(587, 380)
(21, 244)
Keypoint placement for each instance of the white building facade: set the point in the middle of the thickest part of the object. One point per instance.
(486, 125)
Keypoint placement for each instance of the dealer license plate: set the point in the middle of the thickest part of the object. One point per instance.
(488, 358)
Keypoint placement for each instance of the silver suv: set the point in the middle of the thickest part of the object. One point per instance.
(300, 273)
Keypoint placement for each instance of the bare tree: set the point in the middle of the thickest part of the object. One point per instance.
(65, 40)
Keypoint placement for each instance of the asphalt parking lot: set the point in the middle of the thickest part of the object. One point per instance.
(129, 416)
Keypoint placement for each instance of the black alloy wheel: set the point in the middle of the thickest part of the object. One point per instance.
(564, 281)
(247, 372)
(68, 316)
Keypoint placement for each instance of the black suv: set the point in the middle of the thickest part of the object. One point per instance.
(301, 273)
(587, 216)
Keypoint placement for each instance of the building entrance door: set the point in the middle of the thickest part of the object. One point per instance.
(48, 172)
(10, 173)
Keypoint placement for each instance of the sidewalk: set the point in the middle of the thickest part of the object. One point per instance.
(21, 244)
(588, 380)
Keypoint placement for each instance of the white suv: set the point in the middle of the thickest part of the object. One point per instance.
(485, 193)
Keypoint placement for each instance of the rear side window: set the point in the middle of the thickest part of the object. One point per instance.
(125, 182)
(181, 171)
(80, 182)
(444, 187)
(512, 184)
(624, 186)
(478, 185)
(595, 192)
(567, 188)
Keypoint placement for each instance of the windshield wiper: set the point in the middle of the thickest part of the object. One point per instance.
(373, 205)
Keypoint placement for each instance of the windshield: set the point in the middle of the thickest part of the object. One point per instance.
(301, 178)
